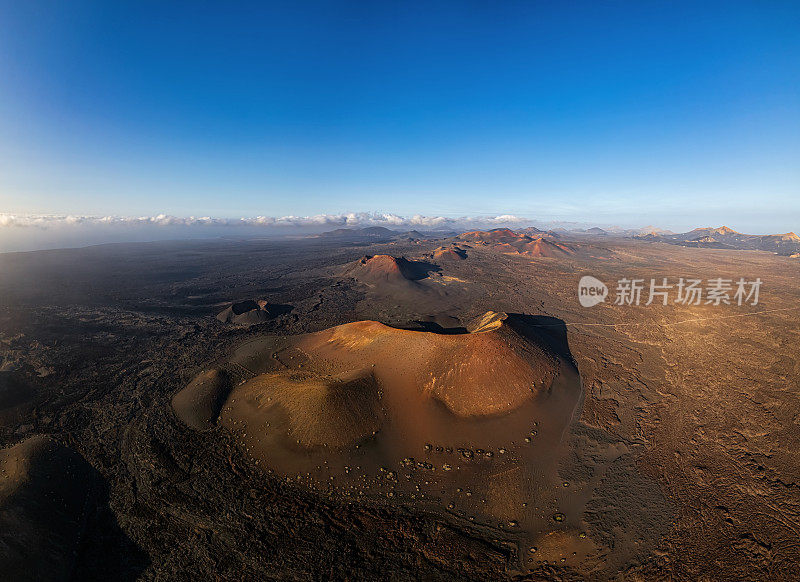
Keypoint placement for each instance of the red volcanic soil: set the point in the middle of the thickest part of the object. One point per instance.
(383, 266)
(466, 420)
(490, 370)
(510, 242)
(541, 247)
(497, 235)
(487, 371)
(379, 269)
(453, 252)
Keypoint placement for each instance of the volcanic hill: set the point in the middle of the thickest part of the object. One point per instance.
(44, 488)
(251, 312)
(452, 252)
(368, 409)
(382, 269)
(726, 238)
(507, 241)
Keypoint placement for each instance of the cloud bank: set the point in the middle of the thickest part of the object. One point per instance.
(26, 232)
(346, 220)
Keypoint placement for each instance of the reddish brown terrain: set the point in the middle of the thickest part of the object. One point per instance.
(401, 413)
(453, 252)
(380, 269)
(510, 242)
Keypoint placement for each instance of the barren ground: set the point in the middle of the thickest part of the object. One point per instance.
(684, 455)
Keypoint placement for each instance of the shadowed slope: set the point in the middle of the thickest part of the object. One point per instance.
(17, 398)
(331, 411)
(382, 269)
(198, 405)
(364, 409)
(538, 247)
(510, 242)
(490, 370)
(44, 488)
(251, 312)
(453, 252)
(487, 371)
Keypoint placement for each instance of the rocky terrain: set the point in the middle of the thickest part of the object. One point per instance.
(677, 461)
(726, 238)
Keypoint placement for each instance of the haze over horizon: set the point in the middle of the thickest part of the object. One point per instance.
(675, 115)
(41, 232)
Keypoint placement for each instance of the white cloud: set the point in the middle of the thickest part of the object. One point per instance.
(347, 220)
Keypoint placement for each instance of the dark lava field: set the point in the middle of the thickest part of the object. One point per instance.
(332, 408)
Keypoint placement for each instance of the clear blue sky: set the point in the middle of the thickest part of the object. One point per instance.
(673, 113)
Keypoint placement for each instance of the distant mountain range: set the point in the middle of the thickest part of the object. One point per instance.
(715, 238)
(368, 232)
(726, 238)
(378, 234)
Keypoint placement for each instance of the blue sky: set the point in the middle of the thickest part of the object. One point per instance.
(633, 113)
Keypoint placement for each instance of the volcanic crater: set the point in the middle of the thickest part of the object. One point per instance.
(467, 424)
